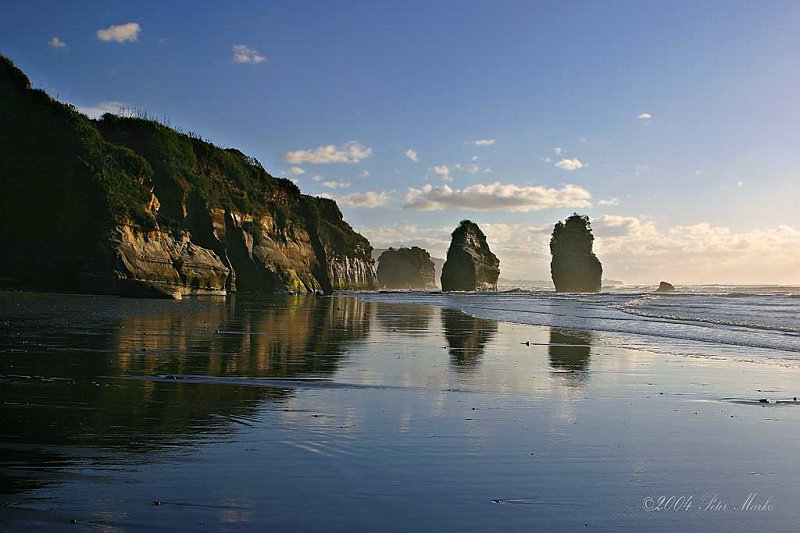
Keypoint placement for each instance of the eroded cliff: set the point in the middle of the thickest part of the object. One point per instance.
(130, 206)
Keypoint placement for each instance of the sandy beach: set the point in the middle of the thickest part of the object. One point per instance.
(336, 412)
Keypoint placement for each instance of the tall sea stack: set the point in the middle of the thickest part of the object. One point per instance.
(470, 265)
(406, 268)
(574, 267)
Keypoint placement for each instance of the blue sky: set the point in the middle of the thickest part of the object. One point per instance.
(674, 125)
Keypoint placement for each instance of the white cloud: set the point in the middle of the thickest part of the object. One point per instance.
(351, 152)
(443, 171)
(297, 171)
(569, 164)
(317, 177)
(244, 54)
(610, 201)
(367, 200)
(645, 116)
(433, 239)
(364, 174)
(558, 150)
(487, 197)
(636, 248)
(101, 108)
(473, 168)
(55, 42)
(333, 184)
(412, 155)
(484, 142)
(121, 33)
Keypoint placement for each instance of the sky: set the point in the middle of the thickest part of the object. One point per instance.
(673, 125)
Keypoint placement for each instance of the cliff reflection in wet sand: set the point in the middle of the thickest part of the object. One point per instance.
(466, 337)
(569, 352)
(58, 369)
(404, 318)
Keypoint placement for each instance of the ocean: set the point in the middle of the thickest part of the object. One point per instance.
(735, 321)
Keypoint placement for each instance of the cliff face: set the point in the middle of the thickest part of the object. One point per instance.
(470, 265)
(406, 268)
(127, 205)
(574, 266)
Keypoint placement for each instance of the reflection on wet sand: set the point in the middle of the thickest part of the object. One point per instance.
(59, 394)
(569, 352)
(405, 318)
(466, 337)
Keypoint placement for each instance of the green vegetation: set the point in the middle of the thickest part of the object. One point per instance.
(45, 145)
(68, 179)
(575, 234)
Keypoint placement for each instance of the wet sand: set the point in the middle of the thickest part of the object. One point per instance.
(341, 414)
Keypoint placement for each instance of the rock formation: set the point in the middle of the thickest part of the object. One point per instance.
(665, 287)
(574, 266)
(129, 206)
(438, 263)
(470, 265)
(406, 268)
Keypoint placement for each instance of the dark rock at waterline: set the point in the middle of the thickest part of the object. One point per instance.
(574, 266)
(126, 205)
(665, 287)
(470, 265)
(406, 268)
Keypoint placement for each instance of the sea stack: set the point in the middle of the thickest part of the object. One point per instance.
(470, 265)
(574, 267)
(665, 287)
(406, 268)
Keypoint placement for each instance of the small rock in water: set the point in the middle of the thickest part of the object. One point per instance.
(156, 503)
(763, 400)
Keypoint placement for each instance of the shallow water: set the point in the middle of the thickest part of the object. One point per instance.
(350, 413)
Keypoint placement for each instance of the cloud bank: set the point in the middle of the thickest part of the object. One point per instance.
(488, 197)
(367, 200)
(351, 152)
